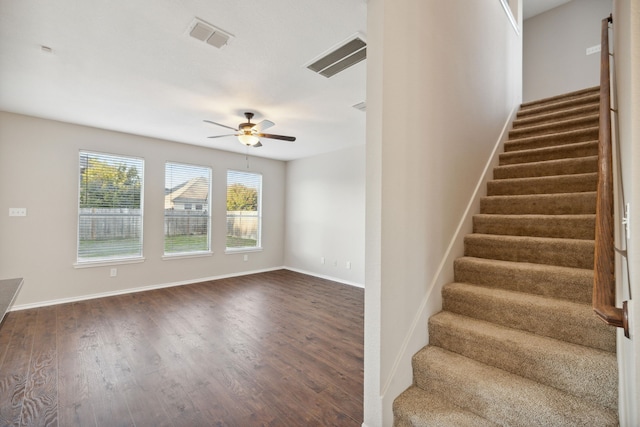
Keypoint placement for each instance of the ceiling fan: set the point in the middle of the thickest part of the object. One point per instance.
(249, 133)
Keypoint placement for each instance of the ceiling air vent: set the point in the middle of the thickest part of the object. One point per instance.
(208, 33)
(340, 58)
(362, 106)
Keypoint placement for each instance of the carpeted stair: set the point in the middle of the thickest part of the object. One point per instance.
(517, 343)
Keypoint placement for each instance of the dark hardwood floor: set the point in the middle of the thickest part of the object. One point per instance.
(269, 349)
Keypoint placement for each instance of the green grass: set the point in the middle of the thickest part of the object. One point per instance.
(237, 242)
(185, 243)
(109, 248)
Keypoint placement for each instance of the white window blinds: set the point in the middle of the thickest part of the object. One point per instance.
(244, 212)
(109, 207)
(187, 209)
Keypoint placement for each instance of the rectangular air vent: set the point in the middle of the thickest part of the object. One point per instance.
(362, 106)
(209, 34)
(340, 58)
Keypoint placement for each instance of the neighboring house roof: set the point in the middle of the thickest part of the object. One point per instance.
(196, 190)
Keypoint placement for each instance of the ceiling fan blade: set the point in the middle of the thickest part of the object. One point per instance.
(218, 124)
(265, 124)
(222, 136)
(281, 137)
(258, 144)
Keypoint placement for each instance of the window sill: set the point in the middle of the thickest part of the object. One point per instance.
(107, 262)
(186, 255)
(241, 250)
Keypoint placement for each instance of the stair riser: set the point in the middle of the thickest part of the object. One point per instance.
(560, 115)
(554, 127)
(489, 393)
(552, 204)
(561, 252)
(547, 185)
(583, 373)
(576, 324)
(568, 284)
(568, 227)
(583, 149)
(549, 168)
(552, 140)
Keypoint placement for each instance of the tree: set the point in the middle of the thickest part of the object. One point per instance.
(109, 186)
(241, 198)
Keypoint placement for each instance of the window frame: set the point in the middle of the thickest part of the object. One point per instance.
(191, 205)
(97, 261)
(258, 247)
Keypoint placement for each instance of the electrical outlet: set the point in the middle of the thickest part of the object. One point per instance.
(17, 211)
(113, 272)
(593, 49)
(321, 260)
(348, 265)
(246, 257)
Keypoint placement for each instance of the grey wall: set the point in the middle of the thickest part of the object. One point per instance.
(554, 49)
(325, 215)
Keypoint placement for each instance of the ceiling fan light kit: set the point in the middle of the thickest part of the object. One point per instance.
(248, 139)
(250, 133)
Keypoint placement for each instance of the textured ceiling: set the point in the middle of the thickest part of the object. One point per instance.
(131, 66)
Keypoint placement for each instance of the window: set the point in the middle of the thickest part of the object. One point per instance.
(244, 212)
(109, 207)
(186, 230)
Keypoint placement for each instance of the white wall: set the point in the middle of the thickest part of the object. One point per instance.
(39, 171)
(442, 81)
(626, 30)
(325, 215)
(555, 43)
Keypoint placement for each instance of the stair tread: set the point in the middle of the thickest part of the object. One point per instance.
(536, 225)
(563, 98)
(574, 183)
(586, 134)
(569, 321)
(506, 398)
(565, 123)
(416, 407)
(556, 167)
(543, 250)
(558, 203)
(564, 151)
(569, 283)
(546, 116)
(582, 371)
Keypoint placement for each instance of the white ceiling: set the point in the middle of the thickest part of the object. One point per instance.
(532, 8)
(131, 66)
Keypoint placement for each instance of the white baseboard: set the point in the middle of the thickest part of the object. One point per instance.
(138, 289)
(322, 276)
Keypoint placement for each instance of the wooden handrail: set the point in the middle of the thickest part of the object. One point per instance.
(604, 285)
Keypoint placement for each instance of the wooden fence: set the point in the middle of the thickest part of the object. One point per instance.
(243, 224)
(104, 224)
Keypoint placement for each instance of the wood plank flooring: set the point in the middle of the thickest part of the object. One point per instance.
(269, 349)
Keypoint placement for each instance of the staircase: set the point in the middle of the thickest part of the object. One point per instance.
(517, 343)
